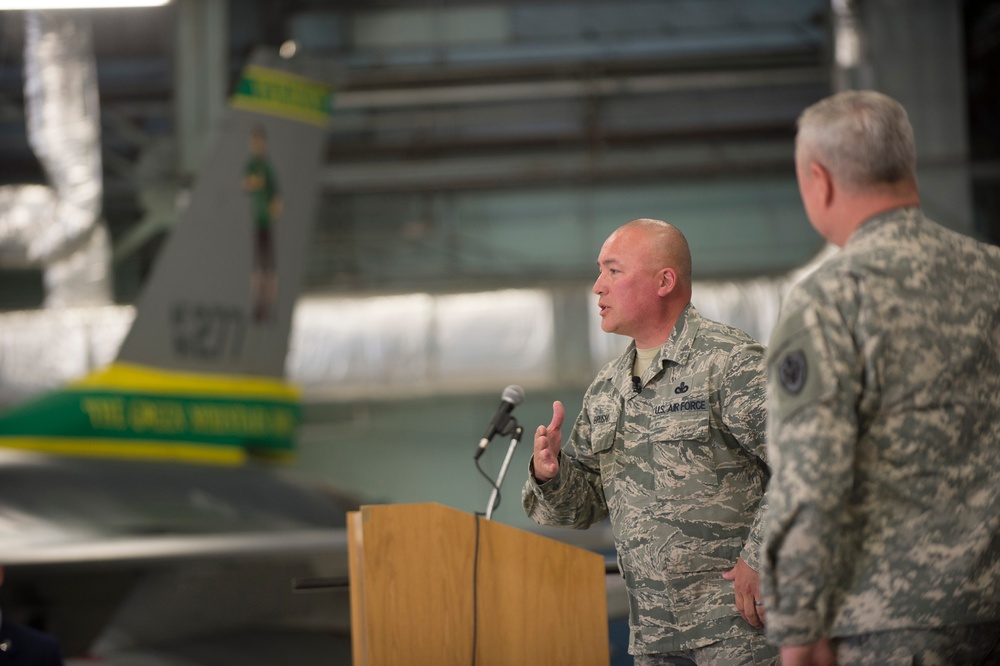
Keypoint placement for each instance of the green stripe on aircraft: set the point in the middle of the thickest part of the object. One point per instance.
(137, 412)
(278, 93)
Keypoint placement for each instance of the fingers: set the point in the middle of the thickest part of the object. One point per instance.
(820, 653)
(558, 414)
(541, 442)
(542, 459)
(749, 610)
(548, 441)
(795, 655)
(754, 615)
(544, 440)
(750, 613)
(824, 654)
(746, 590)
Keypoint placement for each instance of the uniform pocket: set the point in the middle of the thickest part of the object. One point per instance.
(681, 454)
(602, 438)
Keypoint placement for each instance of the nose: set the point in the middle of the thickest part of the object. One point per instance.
(598, 287)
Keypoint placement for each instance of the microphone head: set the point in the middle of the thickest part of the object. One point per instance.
(513, 394)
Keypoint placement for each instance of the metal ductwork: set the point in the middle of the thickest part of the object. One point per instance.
(57, 227)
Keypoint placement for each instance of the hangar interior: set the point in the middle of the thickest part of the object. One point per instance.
(478, 154)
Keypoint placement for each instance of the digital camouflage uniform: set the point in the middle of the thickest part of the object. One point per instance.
(679, 468)
(884, 437)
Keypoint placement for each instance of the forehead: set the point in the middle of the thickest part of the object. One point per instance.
(625, 246)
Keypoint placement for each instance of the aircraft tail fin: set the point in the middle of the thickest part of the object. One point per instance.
(199, 375)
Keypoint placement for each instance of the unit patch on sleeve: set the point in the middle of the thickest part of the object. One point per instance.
(793, 371)
(797, 373)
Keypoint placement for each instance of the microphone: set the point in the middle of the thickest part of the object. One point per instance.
(509, 399)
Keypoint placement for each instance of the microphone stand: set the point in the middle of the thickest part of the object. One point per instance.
(515, 438)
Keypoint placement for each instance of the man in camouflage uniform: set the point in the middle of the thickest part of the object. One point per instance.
(670, 446)
(882, 533)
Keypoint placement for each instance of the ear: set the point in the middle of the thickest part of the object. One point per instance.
(668, 280)
(824, 183)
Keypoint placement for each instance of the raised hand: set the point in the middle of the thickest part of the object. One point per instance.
(548, 442)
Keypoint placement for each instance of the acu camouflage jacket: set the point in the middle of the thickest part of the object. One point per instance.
(884, 437)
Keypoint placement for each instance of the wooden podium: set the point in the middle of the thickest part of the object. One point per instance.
(433, 585)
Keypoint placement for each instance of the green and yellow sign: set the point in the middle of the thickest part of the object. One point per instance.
(137, 412)
(282, 94)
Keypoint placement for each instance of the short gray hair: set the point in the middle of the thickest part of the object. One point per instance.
(864, 138)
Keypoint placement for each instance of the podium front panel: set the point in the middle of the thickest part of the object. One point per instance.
(433, 585)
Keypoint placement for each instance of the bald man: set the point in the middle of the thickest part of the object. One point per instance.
(669, 445)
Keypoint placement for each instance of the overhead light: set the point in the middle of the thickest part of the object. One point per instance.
(77, 4)
(288, 49)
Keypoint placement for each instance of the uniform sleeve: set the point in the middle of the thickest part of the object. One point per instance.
(575, 497)
(814, 383)
(744, 412)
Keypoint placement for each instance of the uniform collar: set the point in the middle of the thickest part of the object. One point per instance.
(678, 346)
(886, 219)
(676, 349)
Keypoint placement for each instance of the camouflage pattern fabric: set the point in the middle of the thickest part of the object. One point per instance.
(679, 468)
(742, 651)
(954, 646)
(884, 437)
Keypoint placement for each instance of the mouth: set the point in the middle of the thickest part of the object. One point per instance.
(603, 308)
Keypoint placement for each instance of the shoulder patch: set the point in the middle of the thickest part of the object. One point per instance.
(798, 371)
(793, 371)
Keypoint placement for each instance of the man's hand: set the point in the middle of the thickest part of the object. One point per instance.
(548, 442)
(819, 653)
(746, 585)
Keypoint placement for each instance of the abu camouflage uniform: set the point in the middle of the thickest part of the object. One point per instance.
(679, 468)
(884, 437)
